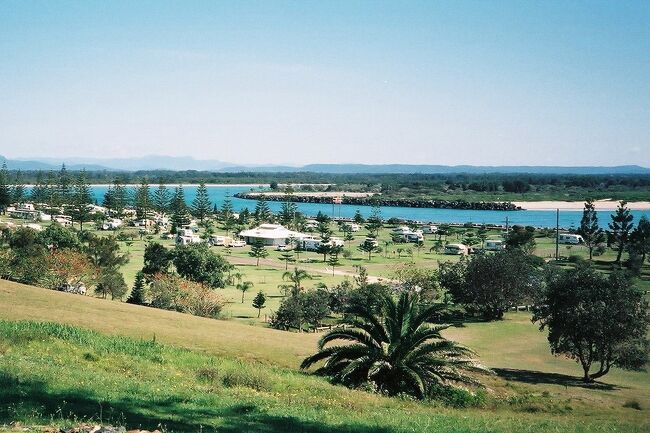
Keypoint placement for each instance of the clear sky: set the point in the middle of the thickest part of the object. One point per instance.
(265, 82)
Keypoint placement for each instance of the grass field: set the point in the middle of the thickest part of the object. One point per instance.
(237, 377)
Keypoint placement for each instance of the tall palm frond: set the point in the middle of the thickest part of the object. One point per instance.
(396, 348)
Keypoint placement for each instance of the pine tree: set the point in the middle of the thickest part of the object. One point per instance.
(325, 244)
(620, 228)
(161, 199)
(374, 223)
(63, 187)
(115, 198)
(201, 206)
(51, 192)
(18, 191)
(258, 250)
(262, 213)
(142, 200)
(358, 219)
(287, 257)
(333, 261)
(178, 207)
(591, 233)
(287, 215)
(5, 192)
(39, 191)
(82, 197)
(259, 302)
(137, 295)
(227, 214)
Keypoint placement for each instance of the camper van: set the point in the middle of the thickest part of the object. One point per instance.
(570, 239)
(456, 249)
(429, 229)
(220, 241)
(112, 224)
(404, 234)
(311, 243)
(494, 245)
(353, 227)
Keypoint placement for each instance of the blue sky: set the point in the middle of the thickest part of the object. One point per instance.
(449, 82)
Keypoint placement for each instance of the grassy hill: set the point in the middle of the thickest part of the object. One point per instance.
(212, 375)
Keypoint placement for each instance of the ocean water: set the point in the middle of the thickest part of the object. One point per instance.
(537, 218)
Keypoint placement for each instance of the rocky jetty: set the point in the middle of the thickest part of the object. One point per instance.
(380, 201)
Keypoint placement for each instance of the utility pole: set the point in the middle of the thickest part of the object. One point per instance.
(557, 235)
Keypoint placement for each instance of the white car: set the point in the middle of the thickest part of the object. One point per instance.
(238, 243)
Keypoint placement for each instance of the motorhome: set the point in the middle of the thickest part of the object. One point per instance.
(186, 240)
(429, 229)
(494, 245)
(456, 249)
(353, 227)
(570, 239)
(220, 241)
(112, 224)
(312, 243)
(405, 234)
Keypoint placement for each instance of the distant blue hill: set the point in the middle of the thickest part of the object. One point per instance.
(157, 162)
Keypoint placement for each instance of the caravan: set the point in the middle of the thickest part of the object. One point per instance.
(570, 239)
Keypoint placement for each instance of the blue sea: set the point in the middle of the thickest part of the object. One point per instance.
(537, 218)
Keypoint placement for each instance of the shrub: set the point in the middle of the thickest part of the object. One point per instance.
(457, 397)
(632, 404)
(174, 293)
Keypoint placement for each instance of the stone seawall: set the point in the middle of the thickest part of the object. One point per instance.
(374, 201)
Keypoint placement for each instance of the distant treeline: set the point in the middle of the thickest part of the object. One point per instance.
(492, 182)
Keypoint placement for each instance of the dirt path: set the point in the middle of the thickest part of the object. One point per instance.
(236, 260)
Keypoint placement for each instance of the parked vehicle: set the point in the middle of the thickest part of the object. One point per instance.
(570, 239)
(494, 245)
(220, 241)
(456, 249)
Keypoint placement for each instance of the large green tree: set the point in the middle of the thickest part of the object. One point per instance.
(201, 205)
(258, 251)
(161, 198)
(620, 228)
(81, 198)
(599, 321)
(178, 207)
(590, 231)
(489, 284)
(142, 200)
(196, 262)
(396, 349)
(5, 190)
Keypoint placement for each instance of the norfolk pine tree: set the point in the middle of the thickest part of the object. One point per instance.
(591, 233)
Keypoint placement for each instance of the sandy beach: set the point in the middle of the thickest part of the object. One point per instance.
(604, 205)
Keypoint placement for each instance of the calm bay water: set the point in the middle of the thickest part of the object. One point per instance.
(537, 218)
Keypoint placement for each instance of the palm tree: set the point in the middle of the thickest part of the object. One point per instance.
(296, 276)
(394, 348)
(244, 287)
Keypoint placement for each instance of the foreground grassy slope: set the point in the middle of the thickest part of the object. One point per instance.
(243, 378)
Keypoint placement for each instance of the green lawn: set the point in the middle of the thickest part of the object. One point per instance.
(228, 376)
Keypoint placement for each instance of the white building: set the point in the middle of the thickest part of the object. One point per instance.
(270, 234)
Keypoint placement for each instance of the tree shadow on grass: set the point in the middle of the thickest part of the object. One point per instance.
(541, 377)
(21, 400)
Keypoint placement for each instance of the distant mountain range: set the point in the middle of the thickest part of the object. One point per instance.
(157, 162)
